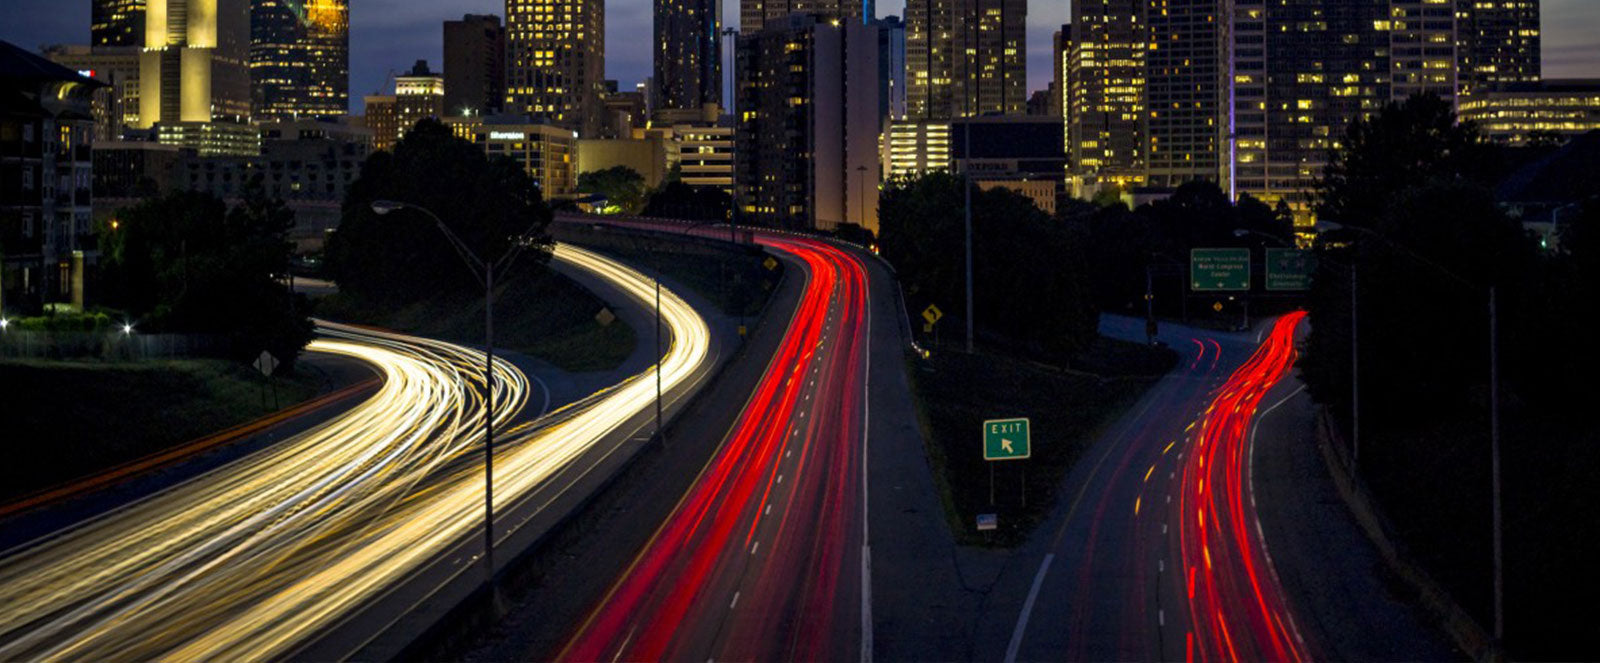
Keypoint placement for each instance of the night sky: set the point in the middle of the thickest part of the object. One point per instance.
(389, 35)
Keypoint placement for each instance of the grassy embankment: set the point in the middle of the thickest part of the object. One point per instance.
(68, 419)
(956, 392)
(538, 313)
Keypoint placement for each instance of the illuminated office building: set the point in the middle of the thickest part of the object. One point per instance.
(418, 95)
(116, 22)
(548, 153)
(1185, 92)
(194, 81)
(688, 53)
(1422, 47)
(383, 119)
(299, 58)
(1517, 113)
(1498, 42)
(808, 130)
(965, 57)
(1104, 95)
(555, 51)
(474, 65)
(756, 15)
(915, 147)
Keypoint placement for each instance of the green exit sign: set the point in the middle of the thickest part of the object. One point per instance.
(1289, 269)
(1219, 269)
(1006, 439)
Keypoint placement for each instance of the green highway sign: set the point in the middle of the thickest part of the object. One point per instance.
(1006, 439)
(1289, 269)
(1219, 269)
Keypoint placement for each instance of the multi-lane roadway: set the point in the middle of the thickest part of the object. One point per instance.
(255, 558)
(1159, 554)
(764, 557)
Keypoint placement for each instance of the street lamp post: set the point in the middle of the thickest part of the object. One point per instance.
(1494, 404)
(484, 270)
(966, 172)
(661, 433)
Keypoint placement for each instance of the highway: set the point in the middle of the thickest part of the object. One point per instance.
(256, 557)
(1160, 554)
(764, 557)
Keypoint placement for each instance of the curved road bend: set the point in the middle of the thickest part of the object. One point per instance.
(763, 557)
(251, 559)
(1160, 555)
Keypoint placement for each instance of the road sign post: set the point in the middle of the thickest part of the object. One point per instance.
(1219, 269)
(1007, 439)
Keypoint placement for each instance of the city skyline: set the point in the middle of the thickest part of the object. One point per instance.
(414, 30)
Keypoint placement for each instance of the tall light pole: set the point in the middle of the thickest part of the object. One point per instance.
(861, 200)
(1494, 405)
(661, 433)
(484, 271)
(966, 181)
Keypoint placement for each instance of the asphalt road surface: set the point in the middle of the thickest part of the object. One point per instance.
(1160, 554)
(253, 558)
(764, 557)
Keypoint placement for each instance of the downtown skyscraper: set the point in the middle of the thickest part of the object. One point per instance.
(194, 79)
(474, 65)
(116, 23)
(756, 15)
(299, 58)
(1498, 42)
(688, 57)
(555, 62)
(1253, 94)
(965, 57)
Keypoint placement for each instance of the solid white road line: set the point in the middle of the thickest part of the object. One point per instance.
(1027, 609)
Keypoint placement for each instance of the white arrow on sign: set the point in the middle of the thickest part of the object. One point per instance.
(1006, 445)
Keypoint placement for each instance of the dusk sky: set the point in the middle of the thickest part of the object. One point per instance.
(389, 35)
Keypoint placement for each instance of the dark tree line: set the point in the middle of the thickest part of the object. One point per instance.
(1030, 290)
(401, 256)
(1433, 240)
(187, 263)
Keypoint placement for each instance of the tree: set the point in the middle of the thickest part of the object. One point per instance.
(401, 257)
(622, 186)
(1030, 290)
(676, 200)
(1405, 145)
(187, 263)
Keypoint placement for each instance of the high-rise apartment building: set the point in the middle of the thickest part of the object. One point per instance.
(474, 65)
(194, 80)
(46, 180)
(688, 53)
(116, 23)
(1497, 42)
(966, 57)
(808, 129)
(555, 67)
(1422, 47)
(756, 15)
(299, 58)
(1303, 70)
(1104, 95)
(1185, 92)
